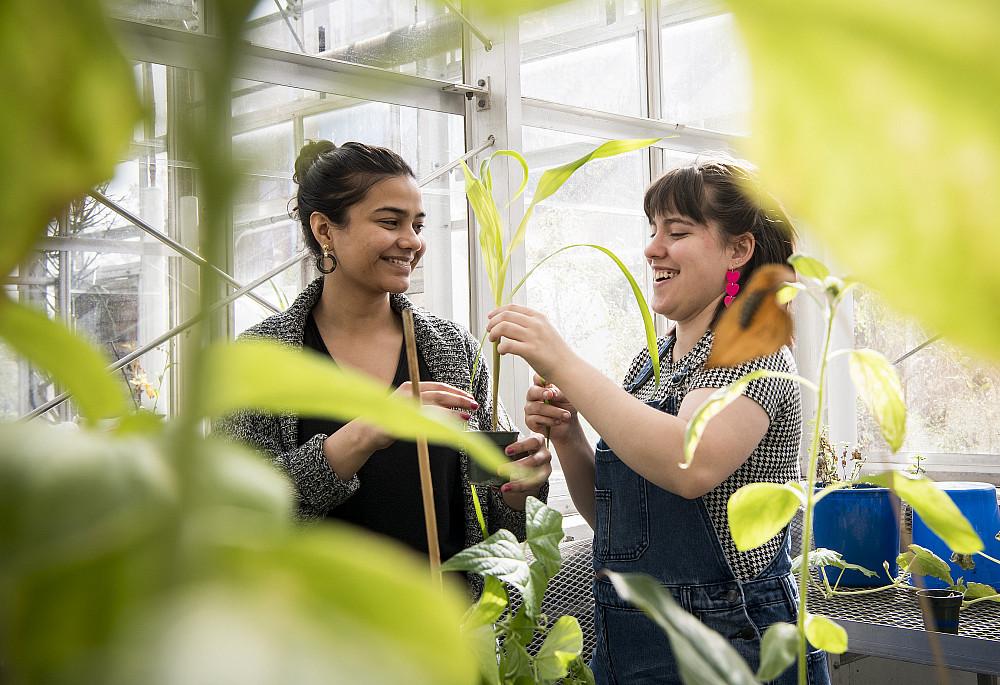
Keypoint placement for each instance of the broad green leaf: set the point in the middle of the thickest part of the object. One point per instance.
(515, 663)
(788, 292)
(935, 507)
(501, 556)
(979, 590)
(843, 85)
(71, 109)
(821, 557)
(484, 646)
(825, 634)
(778, 650)
(759, 511)
(920, 561)
(561, 646)
(521, 628)
(488, 608)
(703, 656)
(810, 267)
(68, 358)
(878, 385)
(544, 533)
(579, 673)
(265, 376)
(640, 300)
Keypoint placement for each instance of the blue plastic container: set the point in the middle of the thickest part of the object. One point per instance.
(978, 502)
(862, 523)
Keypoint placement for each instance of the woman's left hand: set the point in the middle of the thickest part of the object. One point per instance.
(529, 335)
(537, 464)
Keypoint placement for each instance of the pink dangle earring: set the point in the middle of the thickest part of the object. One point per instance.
(732, 286)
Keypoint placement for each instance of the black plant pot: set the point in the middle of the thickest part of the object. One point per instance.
(940, 609)
(480, 476)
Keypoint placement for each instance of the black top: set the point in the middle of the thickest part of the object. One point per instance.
(389, 501)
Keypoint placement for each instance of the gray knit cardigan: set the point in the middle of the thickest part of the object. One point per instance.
(449, 352)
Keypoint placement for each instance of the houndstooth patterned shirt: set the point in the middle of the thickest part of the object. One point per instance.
(776, 457)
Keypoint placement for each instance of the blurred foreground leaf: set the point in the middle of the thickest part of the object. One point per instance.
(876, 123)
(70, 107)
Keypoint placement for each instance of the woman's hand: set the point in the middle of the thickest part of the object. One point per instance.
(547, 409)
(529, 335)
(433, 394)
(533, 470)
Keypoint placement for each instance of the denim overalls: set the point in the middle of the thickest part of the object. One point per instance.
(641, 528)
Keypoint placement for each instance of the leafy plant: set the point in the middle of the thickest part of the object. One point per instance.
(834, 468)
(496, 255)
(923, 562)
(759, 511)
(501, 632)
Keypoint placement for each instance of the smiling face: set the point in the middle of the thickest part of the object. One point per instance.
(380, 244)
(689, 261)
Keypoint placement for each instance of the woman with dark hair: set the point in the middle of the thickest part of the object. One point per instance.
(362, 215)
(712, 226)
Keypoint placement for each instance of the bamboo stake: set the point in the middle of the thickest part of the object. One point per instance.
(423, 457)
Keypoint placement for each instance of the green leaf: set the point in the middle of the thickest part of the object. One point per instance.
(935, 507)
(562, 645)
(821, 557)
(544, 533)
(489, 226)
(579, 673)
(521, 628)
(920, 561)
(759, 511)
(778, 650)
(878, 385)
(788, 292)
(843, 85)
(500, 556)
(488, 608)
(484, 646)
(825, 634)
(68, 358)
(647, 318)
(265, 376)
(519, 158)
(703, 656)
(810, 267)
(979, 590)
(515, 663)
(76, 108)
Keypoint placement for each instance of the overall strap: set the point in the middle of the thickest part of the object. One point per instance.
(646, 372)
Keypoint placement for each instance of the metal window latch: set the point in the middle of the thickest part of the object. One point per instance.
(479, 92)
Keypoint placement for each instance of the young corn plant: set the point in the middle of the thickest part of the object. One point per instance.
(759, 511)
(496, 254)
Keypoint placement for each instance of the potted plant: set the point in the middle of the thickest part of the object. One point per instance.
(859, 520)
(500, 630)
(496, 254)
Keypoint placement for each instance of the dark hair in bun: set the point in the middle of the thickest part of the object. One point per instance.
(332, 179)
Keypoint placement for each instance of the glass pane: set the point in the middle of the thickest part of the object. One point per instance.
(953, 400)
(704, 69)
(174, 14)
(266, 119)
(581, 291)
(419, 37)
(586, 53)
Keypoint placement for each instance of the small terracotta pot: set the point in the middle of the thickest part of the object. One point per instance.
(480, 476)
(940, 609)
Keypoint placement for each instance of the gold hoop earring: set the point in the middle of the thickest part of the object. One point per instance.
(327, 254)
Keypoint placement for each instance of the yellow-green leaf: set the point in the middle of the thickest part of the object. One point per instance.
(879, 388)
(777, 650)
(788, 292)
(920, 561)
(809, 267)
(69, 359)
(71, 106)
(935, 508)
(909, 97)
(561, 646)
(268, 377)
(759, 511)
(825, 634)
(981, 590)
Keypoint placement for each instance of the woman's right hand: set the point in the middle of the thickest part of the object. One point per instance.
(431, 393)
(547, 411)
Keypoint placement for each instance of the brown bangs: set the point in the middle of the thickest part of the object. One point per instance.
(679, 191)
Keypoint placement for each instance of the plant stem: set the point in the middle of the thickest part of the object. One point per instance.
(810, 487)
(496, 387)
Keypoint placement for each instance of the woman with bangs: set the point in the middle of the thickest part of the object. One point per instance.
(711, 225)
